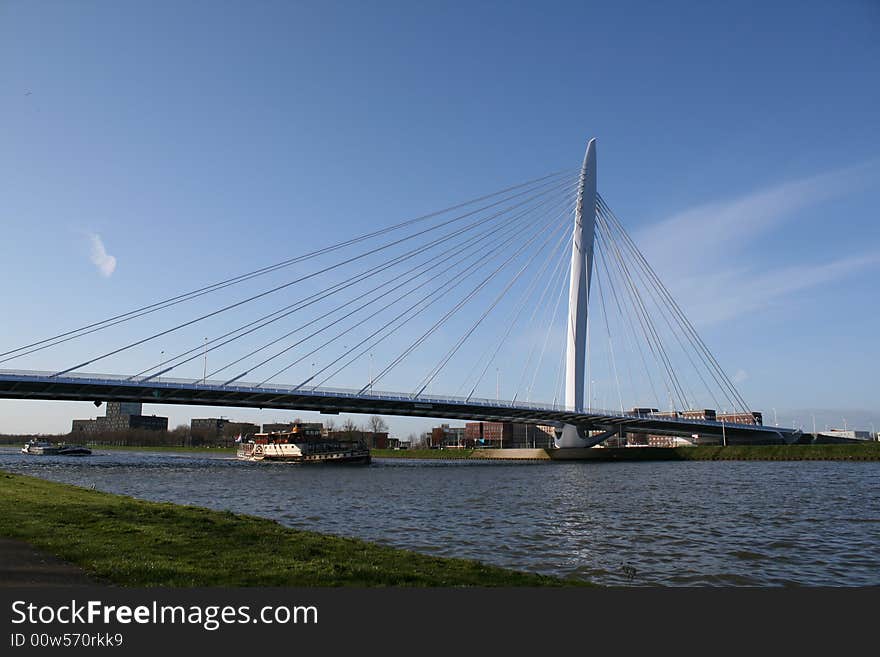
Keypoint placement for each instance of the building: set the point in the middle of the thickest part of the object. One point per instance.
(372, 439)
(643, 410)
(533, 435)
(488, 434)
(217, 430)
(278, 427)
(843, 436)
(508, 434)
(120, 416)
(752, 417)
(447, 436)
(704, 414)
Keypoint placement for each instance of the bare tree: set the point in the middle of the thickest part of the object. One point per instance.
(349, 428)
(377, 424)
(330, 426)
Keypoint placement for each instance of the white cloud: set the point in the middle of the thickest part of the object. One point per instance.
(723, 225)
(740, 376)
(105, 262)
(715, 291)
(716, 296)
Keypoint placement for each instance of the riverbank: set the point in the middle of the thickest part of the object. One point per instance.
(130, 542)
(843, 452)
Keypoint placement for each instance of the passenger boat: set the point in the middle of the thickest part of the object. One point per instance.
(44, 448)
(302, 446)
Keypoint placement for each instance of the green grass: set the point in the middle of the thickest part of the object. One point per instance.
(132, 542)
(843, 452)
(851, 452)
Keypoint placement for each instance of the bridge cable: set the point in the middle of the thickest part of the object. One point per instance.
(624, 320)
(326, 292)
(400, 320)
(270, 291)
(608, 295)
(608, 333)
(652, 290)
(677, 396)
(687, 328)
(437, 369)
(405, 282)
(520, 306)
(458, 306)
(676, 309)
(645, 322)
(440, 289)
(542, 309)
(512, 319)
(562, 285)
(159, 305)
(653, 297)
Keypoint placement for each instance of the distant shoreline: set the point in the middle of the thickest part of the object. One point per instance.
(869, 451)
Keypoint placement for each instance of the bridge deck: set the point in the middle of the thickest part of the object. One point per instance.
(104, 388)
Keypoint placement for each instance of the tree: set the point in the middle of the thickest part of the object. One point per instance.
(377, 424)
(349, 428)
(330, 426)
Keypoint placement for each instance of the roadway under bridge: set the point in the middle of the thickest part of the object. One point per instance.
(26, 385)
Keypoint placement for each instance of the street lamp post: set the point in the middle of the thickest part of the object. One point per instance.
(205, 371)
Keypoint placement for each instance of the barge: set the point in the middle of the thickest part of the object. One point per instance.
(44, 448)
(300, 445)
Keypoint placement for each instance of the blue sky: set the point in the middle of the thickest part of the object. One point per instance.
(150, 148)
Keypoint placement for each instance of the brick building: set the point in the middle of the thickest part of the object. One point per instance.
(447, 436)
(508, 434)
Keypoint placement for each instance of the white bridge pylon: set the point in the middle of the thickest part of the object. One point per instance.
(579, 297)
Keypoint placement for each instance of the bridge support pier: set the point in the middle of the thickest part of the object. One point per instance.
(579, 297)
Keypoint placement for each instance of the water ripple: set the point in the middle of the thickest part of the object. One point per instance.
(753, 523)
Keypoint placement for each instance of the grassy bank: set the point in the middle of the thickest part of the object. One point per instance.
(136, 543)
(849, 452)
(844, 452)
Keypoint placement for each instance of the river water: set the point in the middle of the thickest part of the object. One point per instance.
(748, 523)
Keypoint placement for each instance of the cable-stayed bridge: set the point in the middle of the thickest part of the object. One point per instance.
(431, 303)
